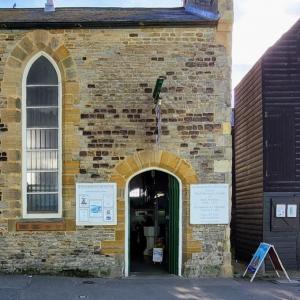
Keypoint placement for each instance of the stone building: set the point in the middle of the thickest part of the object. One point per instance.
(76, 107)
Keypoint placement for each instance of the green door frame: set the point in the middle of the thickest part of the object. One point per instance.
(173, 236)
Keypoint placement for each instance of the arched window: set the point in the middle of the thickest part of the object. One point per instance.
(42, 139)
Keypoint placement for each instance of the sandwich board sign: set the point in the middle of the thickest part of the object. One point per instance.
(258, 258)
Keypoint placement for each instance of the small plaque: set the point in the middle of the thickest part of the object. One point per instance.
(158, 255)
(280, 211)
(96, 204)
(292, 211)
(209, 204)
(40, 226)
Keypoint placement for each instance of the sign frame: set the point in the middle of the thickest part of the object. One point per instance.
(258, 258)
(95, 215)
(219, 220)
(292, 211)
(281, 210)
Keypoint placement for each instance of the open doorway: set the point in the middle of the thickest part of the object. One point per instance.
(153, 223)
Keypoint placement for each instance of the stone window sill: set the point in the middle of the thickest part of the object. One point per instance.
(42, 225)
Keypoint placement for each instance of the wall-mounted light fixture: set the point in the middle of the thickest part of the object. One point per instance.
(157, 102)
(157, 89)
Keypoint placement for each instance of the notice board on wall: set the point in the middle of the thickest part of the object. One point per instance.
(96, 204)
(209, 204)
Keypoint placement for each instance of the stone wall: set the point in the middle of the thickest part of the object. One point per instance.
(108, 135)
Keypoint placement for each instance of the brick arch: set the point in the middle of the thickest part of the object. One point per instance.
(135, 164)
(160, 159)
(53, 45)
(25, 49)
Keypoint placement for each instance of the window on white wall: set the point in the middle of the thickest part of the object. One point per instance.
(42, 139)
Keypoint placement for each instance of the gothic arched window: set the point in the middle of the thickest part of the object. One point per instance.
(42, 139)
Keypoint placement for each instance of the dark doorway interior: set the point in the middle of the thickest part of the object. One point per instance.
(154, 226)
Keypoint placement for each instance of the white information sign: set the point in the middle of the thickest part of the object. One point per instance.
(292, 211)
(209, 204)
(280, 211)
(158, 254)
(96, 204)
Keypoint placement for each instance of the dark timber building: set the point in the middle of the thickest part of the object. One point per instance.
(267, 153)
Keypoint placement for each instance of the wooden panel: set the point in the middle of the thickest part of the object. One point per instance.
(40, 226)
(248, 159)
(283, 224)
(173, 226)
(283, 233)
(279, 144)
(281, 93)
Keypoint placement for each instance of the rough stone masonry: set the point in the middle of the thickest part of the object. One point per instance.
(108, 76)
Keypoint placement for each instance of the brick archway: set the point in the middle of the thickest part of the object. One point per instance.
(135, 164)
(149, 158)
(30, 45)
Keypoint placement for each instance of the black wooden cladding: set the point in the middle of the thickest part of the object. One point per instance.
(248, 143)
(267, 151)
(279, 145)
(285, 236)
(281, 98)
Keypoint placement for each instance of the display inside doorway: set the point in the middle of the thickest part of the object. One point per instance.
(149, 195)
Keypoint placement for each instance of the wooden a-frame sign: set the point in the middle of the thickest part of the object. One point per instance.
(259, 256)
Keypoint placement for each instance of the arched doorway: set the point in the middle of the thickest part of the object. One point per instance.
(153, 223)
(147, 160)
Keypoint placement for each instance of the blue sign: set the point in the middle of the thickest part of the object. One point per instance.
(258, 257)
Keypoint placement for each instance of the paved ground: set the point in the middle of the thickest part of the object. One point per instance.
(140, 288)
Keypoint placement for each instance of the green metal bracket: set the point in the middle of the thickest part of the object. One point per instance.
(158, 87)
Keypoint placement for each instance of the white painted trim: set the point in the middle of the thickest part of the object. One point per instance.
(126, 267)
(41, 85)
(47, 107)
(24, 200)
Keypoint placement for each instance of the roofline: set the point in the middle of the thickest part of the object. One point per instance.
(104, 24)
(94, 7)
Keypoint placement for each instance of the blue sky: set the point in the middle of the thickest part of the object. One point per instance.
(258, 23)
